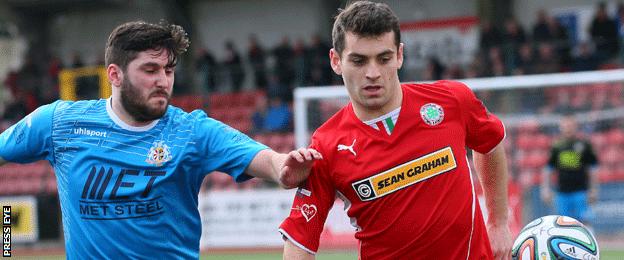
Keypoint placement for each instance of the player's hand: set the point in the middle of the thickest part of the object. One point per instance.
(546, 196)
(500, 241)
(296, 167)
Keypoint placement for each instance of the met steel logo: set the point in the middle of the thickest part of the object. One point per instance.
(110, 194)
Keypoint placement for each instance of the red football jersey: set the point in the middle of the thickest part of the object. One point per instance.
(409, 195)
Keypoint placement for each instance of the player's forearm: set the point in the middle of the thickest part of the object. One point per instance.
(492, 171)
(266, 165)
(292, 252)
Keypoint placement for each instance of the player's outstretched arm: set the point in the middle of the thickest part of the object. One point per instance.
(288, 170)
(492, 170)
(292, 252)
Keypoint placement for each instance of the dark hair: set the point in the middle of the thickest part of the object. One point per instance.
(128, 39)
(365, 19)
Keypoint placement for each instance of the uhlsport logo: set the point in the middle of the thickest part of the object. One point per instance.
(432, 114)
(158, 154)
(88, 132)
(405, 175)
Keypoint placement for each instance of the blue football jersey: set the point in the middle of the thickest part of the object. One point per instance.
(128, 192)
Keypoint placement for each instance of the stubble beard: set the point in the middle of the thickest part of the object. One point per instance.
(136, 105)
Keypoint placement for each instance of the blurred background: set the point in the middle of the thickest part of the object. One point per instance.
(529, 61)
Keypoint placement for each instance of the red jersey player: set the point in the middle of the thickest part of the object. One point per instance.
(396, 154)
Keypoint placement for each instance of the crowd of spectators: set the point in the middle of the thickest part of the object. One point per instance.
(508, 50)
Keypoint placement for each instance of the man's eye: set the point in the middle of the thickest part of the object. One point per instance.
(358, 61)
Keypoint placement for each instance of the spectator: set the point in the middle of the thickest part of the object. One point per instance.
(586, 59)
(560, 42)
(604, 33)
(234, 66)
(525, 64)
(206, 68)
(513, 38)
(284, 59)
(494, 63)
(319, 72)
(257, 119)
(541, 32)
(274, 116)
(257, 58)
(278, 116)
(490, 37)
(300, 59)
(546, 61)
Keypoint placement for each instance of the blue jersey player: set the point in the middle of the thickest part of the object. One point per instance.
(129, 168)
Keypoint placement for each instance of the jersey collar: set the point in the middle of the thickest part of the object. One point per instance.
(122, 124)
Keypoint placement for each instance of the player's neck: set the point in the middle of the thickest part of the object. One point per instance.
(369, 113)
(124, 116)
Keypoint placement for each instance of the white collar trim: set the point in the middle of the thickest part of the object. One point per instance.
(393, 113)
(122, 124)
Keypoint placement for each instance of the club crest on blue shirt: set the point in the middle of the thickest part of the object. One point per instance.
(432, 114)
(158, 154)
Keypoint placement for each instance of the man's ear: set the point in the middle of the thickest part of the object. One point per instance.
(334, 60)
(400, 56)
(115, 75)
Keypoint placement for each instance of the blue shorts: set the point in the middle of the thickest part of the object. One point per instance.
(573, 204)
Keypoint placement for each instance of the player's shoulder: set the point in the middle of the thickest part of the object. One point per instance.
(196, 120)
(440, 85)
(439, 88)
(78, 108)
(177, 114)
(334, 129)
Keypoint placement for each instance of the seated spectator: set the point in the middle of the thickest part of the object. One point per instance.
(272, 117)
(277, 116)
(547, 61)
(257, 119)
(525, 64)
(586, 59)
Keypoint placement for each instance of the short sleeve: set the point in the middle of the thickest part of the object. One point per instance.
(223, 148)
(311, 205)
(31, 138)
(484, 130)
(590, 157)
(552, 158)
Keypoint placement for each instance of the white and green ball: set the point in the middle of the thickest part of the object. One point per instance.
(555, 237)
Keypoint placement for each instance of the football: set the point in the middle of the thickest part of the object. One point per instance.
(555, 237)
